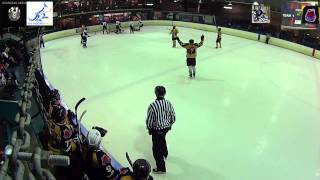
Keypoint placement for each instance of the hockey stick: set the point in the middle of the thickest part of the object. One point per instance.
(79, 126)
(82, 114)
(77, 105)
(76, 111)
(129, 160)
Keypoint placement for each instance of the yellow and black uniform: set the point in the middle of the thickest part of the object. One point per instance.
(174, 33)
(62, 135)
(191, 54)
(98, 164)
(191, 51)
(125, 174)
(62, 132)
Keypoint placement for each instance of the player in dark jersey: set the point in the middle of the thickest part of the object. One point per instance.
(83, 27)
(191, 54)
(104, 27)
(118, 27)
(218, 41)
(174, 34)
(141, 171)
(131, 27)
(96, 161)
(85, 36)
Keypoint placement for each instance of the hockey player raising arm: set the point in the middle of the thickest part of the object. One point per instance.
(191, 54)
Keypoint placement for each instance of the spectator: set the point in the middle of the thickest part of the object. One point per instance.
(160, 118)
(11, 63)
(6, 57)
(3, 80)
(268, 38)
(41, 42)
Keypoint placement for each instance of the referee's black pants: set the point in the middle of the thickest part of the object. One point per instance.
(159, 148)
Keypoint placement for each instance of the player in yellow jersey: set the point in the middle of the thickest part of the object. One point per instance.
(191, 54)
(174, 34)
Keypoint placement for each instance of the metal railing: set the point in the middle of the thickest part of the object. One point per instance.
(19, 154)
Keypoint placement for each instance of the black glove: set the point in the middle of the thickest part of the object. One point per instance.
(202, 37)
(150, 132)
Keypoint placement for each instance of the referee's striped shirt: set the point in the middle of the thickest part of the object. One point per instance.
(160, 115)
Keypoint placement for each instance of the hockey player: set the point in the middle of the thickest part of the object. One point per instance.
(218, 41)
(104, 27)
(61, 132)
(131, 27)
(191, 54)
(140, 24)
(141, 171)
(83, 27)
(118, 27)
(84, 36)
(174, 34)
(97, 162)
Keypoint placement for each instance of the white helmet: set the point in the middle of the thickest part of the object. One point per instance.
(94, 138)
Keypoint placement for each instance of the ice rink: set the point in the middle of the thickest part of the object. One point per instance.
(252, 112)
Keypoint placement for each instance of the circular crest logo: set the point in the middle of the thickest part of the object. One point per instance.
(14, 13)
(311, 16)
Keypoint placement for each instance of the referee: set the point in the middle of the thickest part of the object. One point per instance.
(160, 118)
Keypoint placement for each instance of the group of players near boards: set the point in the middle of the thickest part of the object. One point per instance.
(106, 29)
(87, 160)
(192, 48)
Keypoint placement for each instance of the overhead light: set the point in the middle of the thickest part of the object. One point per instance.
(229, 4)
(227, 7)
(149, 4)
(256, 3)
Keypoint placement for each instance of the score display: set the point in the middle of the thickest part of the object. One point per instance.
(293, 15)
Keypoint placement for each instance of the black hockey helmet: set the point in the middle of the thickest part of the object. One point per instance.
(55, 94)
(160, 91)
(191, 41)
(58, 113)
(141, 169)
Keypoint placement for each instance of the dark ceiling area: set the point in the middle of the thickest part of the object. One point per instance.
(275, 4)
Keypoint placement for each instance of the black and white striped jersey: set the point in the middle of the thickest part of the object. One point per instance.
(160, 115)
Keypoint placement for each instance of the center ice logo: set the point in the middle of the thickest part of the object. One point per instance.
(40, 14)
